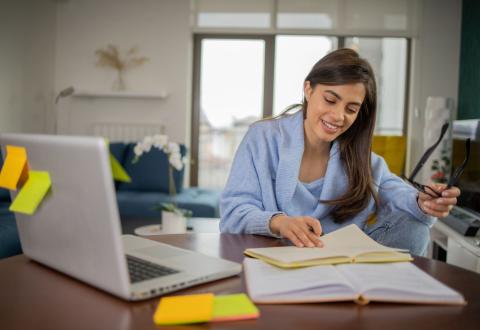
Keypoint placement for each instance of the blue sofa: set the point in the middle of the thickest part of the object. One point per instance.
(150, 186)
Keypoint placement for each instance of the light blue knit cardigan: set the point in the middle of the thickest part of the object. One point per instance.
(265, 171)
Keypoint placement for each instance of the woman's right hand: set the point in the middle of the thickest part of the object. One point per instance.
(302, 231)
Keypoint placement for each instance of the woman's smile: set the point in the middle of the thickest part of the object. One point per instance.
(329, 127)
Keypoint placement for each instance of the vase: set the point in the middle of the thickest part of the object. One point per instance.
(173, 223)
(119, 83)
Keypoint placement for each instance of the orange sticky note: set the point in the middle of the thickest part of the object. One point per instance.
(32, 193)
(184, 309)
(15, 168)
(234, 307)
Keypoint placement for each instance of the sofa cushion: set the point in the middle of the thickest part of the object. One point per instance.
(9, 240)
(4, 195)
(202, 202)
(150, 173)
(140, 204)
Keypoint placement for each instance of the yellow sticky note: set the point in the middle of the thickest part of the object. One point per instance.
(32, 193)
(15, 168)
(118, 172)
(234, 307)
(184, 309)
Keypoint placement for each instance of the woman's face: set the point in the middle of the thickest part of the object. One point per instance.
(331, 110)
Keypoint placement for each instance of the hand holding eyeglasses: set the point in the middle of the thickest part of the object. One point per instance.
(438, 206)
(438, 199)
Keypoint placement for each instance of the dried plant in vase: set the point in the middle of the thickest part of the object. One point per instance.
(110, 57)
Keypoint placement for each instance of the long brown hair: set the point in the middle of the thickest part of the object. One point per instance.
(340, 67)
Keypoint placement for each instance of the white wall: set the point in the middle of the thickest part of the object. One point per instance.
(161, 31)
(435, 65)
(27, 39)
(31, 73)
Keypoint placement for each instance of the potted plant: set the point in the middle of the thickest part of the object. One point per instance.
(174, 219)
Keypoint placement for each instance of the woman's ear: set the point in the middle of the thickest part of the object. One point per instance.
(307, 90)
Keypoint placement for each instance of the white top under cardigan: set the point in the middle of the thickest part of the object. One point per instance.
(264, 177)
(305, 198)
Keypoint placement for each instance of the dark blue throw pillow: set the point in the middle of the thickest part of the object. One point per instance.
(118, 150)
(150, 173)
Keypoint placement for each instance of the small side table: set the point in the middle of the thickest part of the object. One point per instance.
(196, 225)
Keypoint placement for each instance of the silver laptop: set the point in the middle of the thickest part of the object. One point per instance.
(76, 229)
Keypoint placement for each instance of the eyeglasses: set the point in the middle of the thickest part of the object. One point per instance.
(453, 178)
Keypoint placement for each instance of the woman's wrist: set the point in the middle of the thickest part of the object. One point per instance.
(274, 223)
(419, 204)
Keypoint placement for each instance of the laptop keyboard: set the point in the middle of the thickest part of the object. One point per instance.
(142, 270)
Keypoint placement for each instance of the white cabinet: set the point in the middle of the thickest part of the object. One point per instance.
(459, 256)
(460, 250)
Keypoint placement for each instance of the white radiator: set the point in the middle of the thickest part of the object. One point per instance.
(126, 132)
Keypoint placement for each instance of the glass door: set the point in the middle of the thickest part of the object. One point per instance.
(230, 96)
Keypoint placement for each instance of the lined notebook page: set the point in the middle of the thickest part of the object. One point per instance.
(270, 282)
(402, 281)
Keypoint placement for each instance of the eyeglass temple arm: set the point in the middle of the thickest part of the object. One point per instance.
(459, 170)
(428, 153)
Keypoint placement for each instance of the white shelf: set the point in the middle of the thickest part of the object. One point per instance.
(120, 94)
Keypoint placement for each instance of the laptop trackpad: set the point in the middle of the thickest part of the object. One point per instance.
(161, 252)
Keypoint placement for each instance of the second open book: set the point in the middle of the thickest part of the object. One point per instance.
(345, 245)
(400, 282)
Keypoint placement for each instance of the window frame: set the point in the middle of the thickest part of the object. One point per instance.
(268, 84)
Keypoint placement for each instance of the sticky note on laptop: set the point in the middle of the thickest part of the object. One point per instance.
(15, 168)
(118, 172)
(184, 309)
(32, 193)
(234, 307)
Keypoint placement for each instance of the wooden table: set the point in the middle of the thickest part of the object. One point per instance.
(36, 297)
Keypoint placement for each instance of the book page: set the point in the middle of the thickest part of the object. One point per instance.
(401, 281)
(348, 242)
(267, 283)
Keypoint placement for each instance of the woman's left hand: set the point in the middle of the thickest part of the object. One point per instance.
(439, 207)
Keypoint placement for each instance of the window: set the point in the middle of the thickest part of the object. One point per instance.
(388, 57)
(250, 14)
(294, 57)
(240, 79)
(230, 98)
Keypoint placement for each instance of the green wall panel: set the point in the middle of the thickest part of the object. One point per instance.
(469, 85)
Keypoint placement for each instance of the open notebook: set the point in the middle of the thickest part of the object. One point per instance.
(394, 282)
(346, 245)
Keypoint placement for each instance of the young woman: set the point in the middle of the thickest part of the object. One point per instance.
(301, 175)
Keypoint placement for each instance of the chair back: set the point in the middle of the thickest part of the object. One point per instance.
(393, 150)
